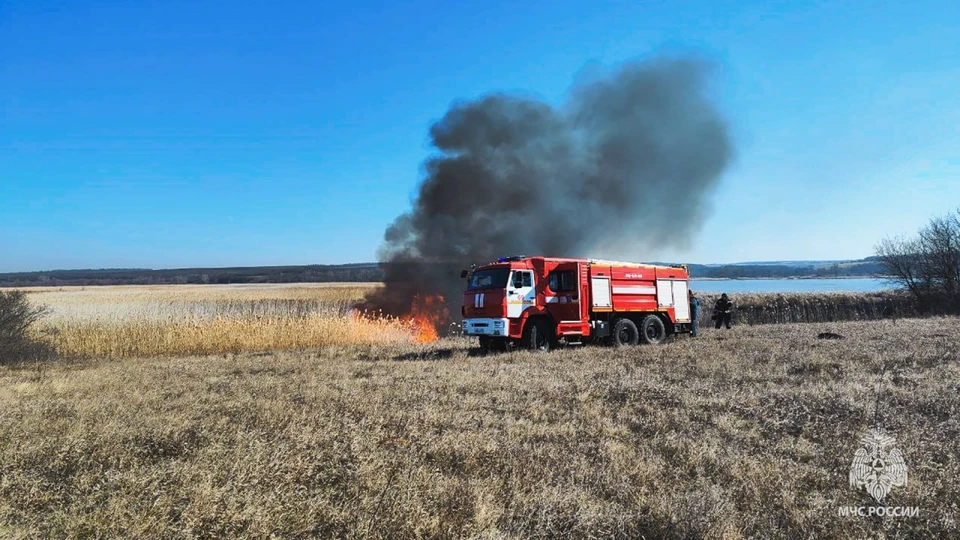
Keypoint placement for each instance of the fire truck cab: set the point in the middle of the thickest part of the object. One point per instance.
(541, 302)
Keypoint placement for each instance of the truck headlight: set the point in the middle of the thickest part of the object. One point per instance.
(498, 324)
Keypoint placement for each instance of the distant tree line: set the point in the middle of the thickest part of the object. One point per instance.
(265, 274)
(372, 272)
(927, 264)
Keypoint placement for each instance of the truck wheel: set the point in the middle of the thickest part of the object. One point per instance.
(625, 333)
(653, 330)
(536, 336)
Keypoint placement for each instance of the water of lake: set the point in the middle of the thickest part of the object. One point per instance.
(788, 285)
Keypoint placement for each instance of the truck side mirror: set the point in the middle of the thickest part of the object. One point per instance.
(463, 274)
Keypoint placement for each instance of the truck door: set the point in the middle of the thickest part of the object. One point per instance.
(521, 292)
(673, 293)
(681, 301)
(562, 293)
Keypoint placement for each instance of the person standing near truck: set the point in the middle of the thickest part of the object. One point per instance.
(721, 311)
(694, 314)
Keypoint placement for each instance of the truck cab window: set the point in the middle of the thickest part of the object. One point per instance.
(489, 279)
(522, 278)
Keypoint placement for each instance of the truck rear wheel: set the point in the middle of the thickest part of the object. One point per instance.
(536, 336)
(625, 333)
(652, 330)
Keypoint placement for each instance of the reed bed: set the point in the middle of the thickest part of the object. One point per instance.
(178, 320)
(136, 321)
(779, 308)
(221, 335)
(174, 302)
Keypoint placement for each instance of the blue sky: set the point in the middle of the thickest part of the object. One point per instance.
(172, 134)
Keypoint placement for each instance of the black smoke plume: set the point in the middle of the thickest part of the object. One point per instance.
(625, 166)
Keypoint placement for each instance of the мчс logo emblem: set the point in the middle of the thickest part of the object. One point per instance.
(878, 465)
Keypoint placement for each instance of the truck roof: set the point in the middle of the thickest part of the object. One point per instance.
(606, 262)
(603, 262)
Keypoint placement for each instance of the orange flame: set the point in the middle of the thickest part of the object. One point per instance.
(426, 315)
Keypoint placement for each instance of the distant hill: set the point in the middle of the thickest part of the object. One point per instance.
(359, 272)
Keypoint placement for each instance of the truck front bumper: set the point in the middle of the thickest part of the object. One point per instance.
(486, 327)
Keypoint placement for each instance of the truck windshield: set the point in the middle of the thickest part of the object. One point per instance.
(495, 278)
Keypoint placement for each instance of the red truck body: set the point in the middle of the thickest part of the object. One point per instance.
(537, 302)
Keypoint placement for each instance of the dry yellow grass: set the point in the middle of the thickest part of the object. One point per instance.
(747, 433)
(177, 320)
(156, 301)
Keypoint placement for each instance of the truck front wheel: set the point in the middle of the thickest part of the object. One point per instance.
(653, 330)
(625, 333)
(536, 336)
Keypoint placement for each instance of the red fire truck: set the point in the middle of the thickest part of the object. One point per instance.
(541, 302)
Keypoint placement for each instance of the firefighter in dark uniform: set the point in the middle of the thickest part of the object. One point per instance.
(721, 311)
(694, 314)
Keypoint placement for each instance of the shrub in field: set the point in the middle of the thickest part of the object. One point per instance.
(16, 318)
(927, 265)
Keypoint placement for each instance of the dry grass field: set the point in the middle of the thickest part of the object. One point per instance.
(747, 433)
(178, 320)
